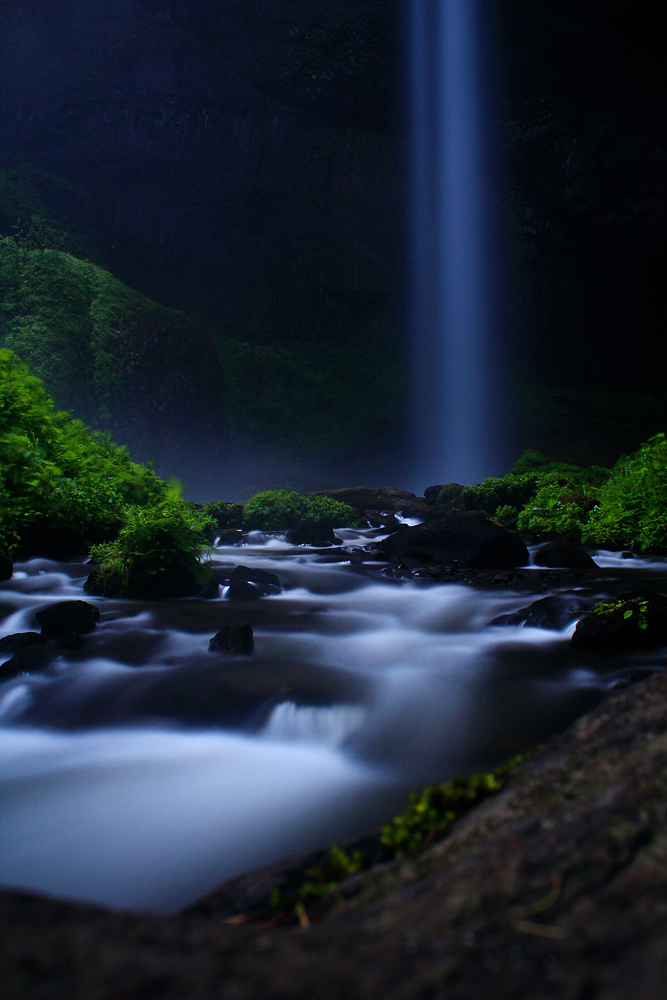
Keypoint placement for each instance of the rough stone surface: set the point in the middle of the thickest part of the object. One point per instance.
(309, 532)
(553, 890)
(20, 640)
(236, 638)
(470, 540)
(246, 584)
(67, 616)
(561, 552)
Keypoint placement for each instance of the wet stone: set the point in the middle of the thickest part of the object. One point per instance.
(235, 639)
(67, 616)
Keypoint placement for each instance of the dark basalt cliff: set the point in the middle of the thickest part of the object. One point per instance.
(244, 159)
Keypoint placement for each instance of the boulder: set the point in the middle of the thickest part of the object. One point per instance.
(384, 498)
(246, 584)
(6, 567)
(310, 532)
(67, 616)
(552, 612)
(20, 640)
(27, 660)
(562, 552)
(631, 620)
(471, 540)
(236, 639)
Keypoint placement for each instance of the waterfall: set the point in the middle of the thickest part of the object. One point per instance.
(454, 311)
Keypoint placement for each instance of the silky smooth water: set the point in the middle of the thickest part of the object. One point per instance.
(142, 770)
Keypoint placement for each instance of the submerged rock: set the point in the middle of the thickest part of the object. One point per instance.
(468, 540)
(27, 660)
(564, 552)
(67, 616)
(236, 639)
(20, 640)
(310, 532)
(631, 620)
(552, 612)
(246, 584)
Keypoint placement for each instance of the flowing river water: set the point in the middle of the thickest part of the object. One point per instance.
(142, 770)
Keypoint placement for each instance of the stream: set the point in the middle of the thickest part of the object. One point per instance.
(142, 770)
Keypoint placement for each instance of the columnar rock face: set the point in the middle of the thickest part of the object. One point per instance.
(245, 159)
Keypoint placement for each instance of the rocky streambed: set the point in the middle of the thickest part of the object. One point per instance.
(141, 769)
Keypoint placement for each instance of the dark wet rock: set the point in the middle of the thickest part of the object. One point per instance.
(463, 540)
(310, 532)
(210, 591)
(381, 519)
(631, 620)
(236, 639)
(172, 581)
(73, 640)
(381, 499)
(20, 640)
(552, 612)
(67, 616)
(6, 567)
(246, 584)
(564, 552)
(28, 660)
(230, 536)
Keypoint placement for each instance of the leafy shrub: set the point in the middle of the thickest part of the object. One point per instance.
(224, 515)
(57, 480)
(494, 492)
(275, 510)
(156, 554)
(632, 509)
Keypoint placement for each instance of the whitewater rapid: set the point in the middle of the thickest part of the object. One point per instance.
(142, 770)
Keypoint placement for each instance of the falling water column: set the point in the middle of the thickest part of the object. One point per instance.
(453, 284)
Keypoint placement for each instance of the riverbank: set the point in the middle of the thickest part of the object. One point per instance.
(555, 888)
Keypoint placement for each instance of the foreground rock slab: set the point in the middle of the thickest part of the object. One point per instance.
(556, 888)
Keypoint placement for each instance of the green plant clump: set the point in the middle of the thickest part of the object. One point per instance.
(158, 553)
(632, 511)
(59, 484)
(434, 809)
(277, 510)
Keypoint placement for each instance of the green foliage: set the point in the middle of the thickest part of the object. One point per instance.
(224, 515)
(276, 510)
(55, 477)
(635, 607)
(434, 809)
(166, 538)
(506, 512)
(510, 490)
(633, 502)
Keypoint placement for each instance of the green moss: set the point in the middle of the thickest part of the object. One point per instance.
(56, 479)
(277, 510)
